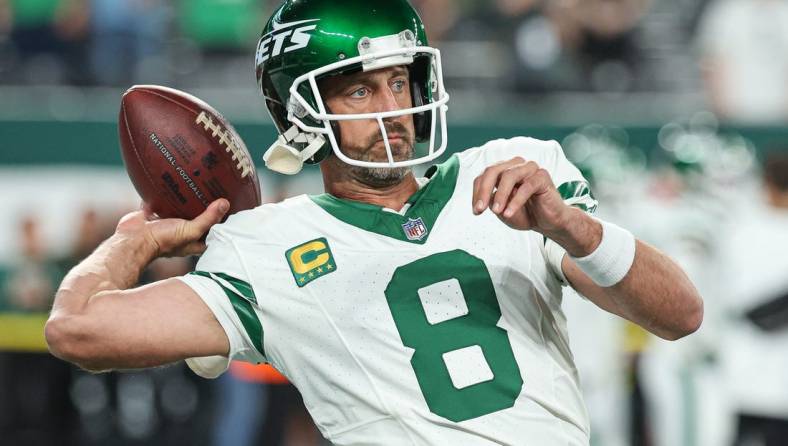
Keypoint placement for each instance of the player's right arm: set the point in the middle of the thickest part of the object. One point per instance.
(99, 323)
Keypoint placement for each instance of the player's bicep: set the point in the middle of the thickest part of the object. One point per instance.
(152, 325)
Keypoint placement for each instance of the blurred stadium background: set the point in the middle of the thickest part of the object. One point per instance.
(676, 110)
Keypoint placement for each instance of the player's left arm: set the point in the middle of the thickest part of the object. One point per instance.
(654, 293)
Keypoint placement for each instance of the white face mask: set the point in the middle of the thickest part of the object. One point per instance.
(382, 52)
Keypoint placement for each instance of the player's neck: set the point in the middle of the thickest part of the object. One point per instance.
(392, 196)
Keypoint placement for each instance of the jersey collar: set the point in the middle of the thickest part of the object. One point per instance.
(425, 207)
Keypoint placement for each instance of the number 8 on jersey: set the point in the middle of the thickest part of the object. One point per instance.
(444, 346)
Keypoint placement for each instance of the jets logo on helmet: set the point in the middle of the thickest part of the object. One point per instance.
(273, 43)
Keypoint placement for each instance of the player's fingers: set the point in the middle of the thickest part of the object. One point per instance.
(508, 180)
(484, 184)
(209, 217)
(536, 182)
(518, 199)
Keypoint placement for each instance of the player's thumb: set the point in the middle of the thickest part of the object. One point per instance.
(210, 216)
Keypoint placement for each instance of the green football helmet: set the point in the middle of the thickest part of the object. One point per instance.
(307, 40)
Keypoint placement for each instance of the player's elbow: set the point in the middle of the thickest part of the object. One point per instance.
(688, 320)
(68, 339)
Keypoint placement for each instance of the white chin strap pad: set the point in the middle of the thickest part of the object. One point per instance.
(283, 158)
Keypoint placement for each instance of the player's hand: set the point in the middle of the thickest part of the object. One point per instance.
(522, 195)
(172, 237)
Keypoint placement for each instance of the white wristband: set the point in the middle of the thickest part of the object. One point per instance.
(612, 259)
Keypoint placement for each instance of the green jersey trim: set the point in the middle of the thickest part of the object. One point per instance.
(425, 207)
(241, 297)
(240, 286)
(578, 194)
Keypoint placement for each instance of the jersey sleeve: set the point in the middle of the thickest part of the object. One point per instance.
(222, 282)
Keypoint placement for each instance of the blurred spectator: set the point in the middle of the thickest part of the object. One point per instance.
(35, 407)
(31, 281)
(91, 230)
(216, 40)
(241, 409)
(128, 41)
(553, 46)
(755, 355)
(221, 25)
(743, 47)
(439, 16)
(48, 37)
(600, 36)
(257, 405)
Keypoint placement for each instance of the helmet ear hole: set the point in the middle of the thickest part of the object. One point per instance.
(421, 95)
(325, 151)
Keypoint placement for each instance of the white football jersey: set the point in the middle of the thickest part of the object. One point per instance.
(428, 326)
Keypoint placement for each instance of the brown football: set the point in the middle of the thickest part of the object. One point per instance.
(181, 154)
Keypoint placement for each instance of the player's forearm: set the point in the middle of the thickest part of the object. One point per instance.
(655, 294)
(115, 265)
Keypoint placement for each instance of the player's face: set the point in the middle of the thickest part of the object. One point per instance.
(381, 90)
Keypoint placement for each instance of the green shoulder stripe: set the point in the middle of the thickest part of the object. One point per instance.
(242, 287)
(240, 296)
(578, 194)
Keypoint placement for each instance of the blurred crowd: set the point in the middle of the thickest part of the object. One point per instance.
(529, 47)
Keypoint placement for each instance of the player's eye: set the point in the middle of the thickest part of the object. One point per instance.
(359, 93)
(398, 86)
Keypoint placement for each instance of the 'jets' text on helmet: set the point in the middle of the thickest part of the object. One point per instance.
(307, 40)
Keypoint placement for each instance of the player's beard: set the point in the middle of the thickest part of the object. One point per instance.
(401, 150)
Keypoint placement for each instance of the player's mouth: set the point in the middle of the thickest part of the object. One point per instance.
(393, 137)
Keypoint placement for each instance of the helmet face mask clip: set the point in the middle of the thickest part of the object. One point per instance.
(307, 127)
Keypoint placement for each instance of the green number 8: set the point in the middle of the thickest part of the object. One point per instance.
(431, 342)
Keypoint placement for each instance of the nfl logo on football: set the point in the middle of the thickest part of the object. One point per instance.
(415, 229)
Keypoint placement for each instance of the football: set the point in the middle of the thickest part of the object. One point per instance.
(181, 154)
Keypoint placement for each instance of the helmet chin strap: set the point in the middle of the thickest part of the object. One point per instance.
(282, 157)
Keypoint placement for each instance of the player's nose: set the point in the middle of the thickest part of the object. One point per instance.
(387, 100)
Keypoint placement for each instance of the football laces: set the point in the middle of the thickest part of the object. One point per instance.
(226, 138)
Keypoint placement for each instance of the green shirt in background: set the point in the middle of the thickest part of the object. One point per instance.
(221, 24)
(33, 12)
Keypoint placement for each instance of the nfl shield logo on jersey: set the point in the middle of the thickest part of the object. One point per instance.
(415, 229)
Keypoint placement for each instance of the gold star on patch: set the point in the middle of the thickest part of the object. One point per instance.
(301, 280)
(330, 266)
(311, 274)
(319, 269)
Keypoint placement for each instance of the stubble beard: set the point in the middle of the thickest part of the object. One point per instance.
(387, 176)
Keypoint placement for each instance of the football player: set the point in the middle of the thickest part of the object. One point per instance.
(406, 310)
